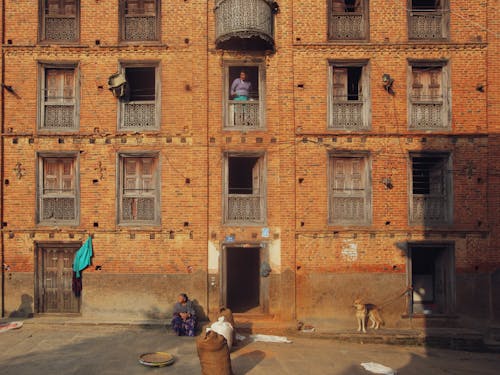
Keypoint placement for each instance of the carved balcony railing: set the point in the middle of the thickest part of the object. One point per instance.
(140, 28)
(243, 115)
(59, 117)
(347, 115)
(60, 29)
(60, 208)
(348, 209)
(429, 210)
(244, 24)
(139, 116)
(427, 24)
(244, 208)
(347, 26)
(427, 116)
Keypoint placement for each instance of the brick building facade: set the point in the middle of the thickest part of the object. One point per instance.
(362, 160)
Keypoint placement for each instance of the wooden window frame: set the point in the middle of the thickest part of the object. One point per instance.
(121, 22)
(445, 22)
(157, 102)
(42, 25)
(40, 176)
(446, 157)
(120, 185)
(365, 21)
(262, 187)
(262, 98)
(42, 68)
(366, 95)
(446, 114)
(365, 156)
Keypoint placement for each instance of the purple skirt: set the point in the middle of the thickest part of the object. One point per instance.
(184, 327)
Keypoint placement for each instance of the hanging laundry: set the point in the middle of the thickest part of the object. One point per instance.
(82, 257)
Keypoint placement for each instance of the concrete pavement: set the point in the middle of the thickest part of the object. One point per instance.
(105, 349)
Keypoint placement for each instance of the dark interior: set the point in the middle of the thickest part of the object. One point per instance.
(243, 280)
(252, 76)
(241, 174)
(141, 83)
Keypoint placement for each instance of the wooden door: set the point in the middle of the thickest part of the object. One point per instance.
(55, 280)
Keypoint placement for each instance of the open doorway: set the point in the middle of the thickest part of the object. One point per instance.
(243, 289)
(431, 272)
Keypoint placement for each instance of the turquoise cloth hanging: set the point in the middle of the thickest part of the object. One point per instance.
(82, 257)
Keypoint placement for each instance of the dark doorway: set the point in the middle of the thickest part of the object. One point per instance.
(243, 279)
(54, 279)
(432, 275)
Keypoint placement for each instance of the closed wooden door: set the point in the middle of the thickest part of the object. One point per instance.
(56, 277)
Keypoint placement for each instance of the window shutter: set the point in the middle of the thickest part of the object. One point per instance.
(256, 177)
(68, 86)
(51, 181)
(339, 84)
(349, 189)
(427, 84)
(131, 176)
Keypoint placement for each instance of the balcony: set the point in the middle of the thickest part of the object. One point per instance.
(243, 115)
(244, 24)
(427, 116)
(429, 210)
(427, 25)
(348, 115)
(244, 208)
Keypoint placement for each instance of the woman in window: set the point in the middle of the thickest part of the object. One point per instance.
(240, 88)
(184, 319)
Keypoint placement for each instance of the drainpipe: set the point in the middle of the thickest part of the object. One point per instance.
(2, 155)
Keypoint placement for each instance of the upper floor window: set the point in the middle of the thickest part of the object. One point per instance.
(428, 19)
(428, 96)
(244, 189)
(430, 194)
(348, 19)
(140, 106)
(349, 97)
(244, 97)
(350, 189)
(58, 187)
(60, 20)
(58, 98)
(139, 193)
(140, 20)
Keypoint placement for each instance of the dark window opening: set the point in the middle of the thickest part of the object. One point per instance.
(428, 175)
(426, 4)
(339, 6)
(347, 83)
(141, 83)
(243, 278)
(242, 175)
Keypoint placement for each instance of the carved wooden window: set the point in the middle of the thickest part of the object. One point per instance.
(58, 98)
(428, 97)
(244, 99)
(60, 20)
(244, 190)
(140, 20)
(350, 190)
(430, 197)
(428, 19)
(349, 97)
(58, 190)
(140, 107)
(139, 190)
(348, 19)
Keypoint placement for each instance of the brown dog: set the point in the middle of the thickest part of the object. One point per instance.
(367, 310)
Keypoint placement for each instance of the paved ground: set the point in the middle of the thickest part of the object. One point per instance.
(103, 349)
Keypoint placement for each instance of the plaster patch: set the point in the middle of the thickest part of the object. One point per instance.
(275, 255)
(350, 251)
(213, 258)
